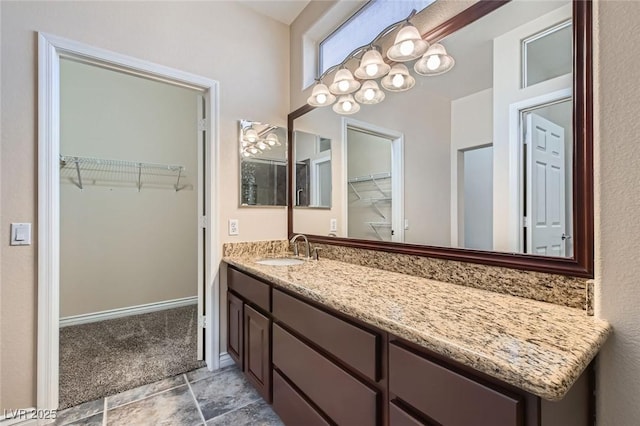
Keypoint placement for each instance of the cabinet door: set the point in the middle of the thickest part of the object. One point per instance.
(257, 362)
(235, 328)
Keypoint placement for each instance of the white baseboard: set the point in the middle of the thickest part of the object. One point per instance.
(125, 312)
(226, 360)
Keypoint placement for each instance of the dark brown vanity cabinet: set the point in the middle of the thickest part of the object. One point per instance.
(444, 396)
(257, 357)
(326, 368)
(249, 328)
(321, 367)
(235, 328)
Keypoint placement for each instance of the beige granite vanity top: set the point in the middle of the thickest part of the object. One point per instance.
(536, 346)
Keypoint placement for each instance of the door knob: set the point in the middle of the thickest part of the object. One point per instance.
(565, 237)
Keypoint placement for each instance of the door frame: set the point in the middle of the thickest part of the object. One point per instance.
(516, 161)
(397, 170)
(50, 49)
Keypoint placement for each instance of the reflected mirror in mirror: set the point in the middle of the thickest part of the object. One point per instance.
(263, 164)
(312, 176)
(468, 159)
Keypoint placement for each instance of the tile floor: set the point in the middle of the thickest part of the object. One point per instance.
(199, 397)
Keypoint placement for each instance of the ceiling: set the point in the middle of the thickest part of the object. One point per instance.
(285, 11)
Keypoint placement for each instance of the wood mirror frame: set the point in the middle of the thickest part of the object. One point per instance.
(581, 265)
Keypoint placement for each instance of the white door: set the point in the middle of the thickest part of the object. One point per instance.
(546, 219)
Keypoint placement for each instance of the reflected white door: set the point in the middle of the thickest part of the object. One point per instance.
(546, 219)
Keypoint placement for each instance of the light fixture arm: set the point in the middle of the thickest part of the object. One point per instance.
(360, 50)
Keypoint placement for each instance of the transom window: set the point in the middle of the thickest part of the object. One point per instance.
(362, 27)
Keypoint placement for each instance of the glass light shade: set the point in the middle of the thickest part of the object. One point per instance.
(369, 93)
(344, 83)
(372, 66)
(272, 140)
(408, 45)
(251, 135)
(320, 96)
(346, 105)
(435, 61)
(398, 79)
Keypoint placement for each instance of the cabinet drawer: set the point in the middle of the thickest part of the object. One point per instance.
(252, 290)
(292, 408)
(448, 397)
(338, 394)
(399, 417)
(349, 343)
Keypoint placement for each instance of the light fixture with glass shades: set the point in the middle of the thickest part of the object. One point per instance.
(408, 45)
(372, 65)
(435, 61)
(395, 76)
(321, 96)
(346, 105)
(398, 79)
(344, 83)
(369, 93)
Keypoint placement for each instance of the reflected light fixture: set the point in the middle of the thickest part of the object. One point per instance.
(369, 93)
(408, 45)
(344, 83)
(251, 135)
(398, 79)
(346, 105)
(372, 66)
(272, 140)
(435, 61)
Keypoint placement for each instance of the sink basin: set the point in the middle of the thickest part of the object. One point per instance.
(280, 261)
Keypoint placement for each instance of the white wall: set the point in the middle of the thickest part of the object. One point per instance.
(617, 201)
(205, 38)
(506, 91)
(120, 247)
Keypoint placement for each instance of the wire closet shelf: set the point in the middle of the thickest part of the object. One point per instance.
(87, 170)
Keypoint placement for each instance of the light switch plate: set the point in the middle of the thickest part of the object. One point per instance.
(233, 227)
(20, 234)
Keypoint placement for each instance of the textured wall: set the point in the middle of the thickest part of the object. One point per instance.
(246, 52)
(617, 151)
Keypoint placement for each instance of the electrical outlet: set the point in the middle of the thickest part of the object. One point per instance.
(234, 228)
(333, 225)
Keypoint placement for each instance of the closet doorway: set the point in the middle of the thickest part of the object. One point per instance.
(127, 184)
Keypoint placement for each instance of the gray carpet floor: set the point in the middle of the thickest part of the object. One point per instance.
(107, 357)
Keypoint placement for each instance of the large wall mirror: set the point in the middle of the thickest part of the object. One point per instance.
(489, 163)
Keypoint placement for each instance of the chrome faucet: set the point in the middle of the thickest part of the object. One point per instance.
(295, 246)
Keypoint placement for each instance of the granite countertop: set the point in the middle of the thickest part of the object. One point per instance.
(536, 346)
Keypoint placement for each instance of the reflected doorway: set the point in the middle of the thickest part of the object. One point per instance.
(478, 198)
(548, 164)
(375, 182)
